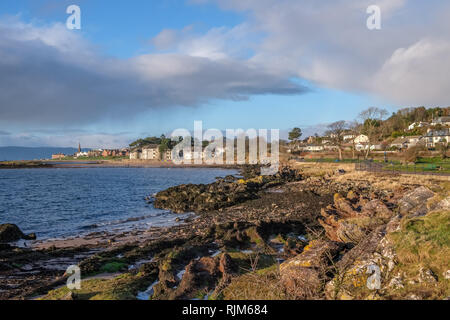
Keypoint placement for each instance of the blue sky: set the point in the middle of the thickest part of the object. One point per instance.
(282, 74)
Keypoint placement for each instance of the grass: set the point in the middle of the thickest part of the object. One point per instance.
(432, 167)
(263, 284)
(113, 267)
(424, 242)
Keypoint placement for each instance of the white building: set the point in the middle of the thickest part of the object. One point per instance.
(361, 139)
(434, 137)
(445, 121)
(417, 125)
(150, 152)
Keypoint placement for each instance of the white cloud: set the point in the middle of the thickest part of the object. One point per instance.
(327, 42)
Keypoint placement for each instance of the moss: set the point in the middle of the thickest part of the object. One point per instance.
(113, 267)
(123, 287)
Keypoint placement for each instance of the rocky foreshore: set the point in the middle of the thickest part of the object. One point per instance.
(291, 236)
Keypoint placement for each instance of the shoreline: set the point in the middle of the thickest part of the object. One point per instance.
(73, 164)
(288, 222)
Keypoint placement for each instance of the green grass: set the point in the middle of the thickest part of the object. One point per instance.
(424, 242)
(432, 167)
(113, 267)
(433, 160)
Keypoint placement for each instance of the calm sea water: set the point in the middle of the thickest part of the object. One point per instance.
(66, 202)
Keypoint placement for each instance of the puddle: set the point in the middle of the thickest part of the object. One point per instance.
(145, 295)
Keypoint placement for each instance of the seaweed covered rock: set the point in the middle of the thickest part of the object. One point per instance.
(220, 194)
(11, 232)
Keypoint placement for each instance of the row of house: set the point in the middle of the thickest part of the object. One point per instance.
(94, 153)
(97, 153)
(150, 152)
(430, 140)
(443, 121)
(361, 142)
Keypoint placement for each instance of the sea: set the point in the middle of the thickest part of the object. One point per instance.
(68, 202)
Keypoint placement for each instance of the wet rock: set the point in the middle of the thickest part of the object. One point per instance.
(199, 275)
(5, 246)
(11, 232)
(220, 194)
(414, 203)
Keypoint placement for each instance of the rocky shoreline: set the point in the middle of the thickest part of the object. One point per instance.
(291, 236)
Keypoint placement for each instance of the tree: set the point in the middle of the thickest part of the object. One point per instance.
(443, 148)
(336, 131)
(165, 144)
(371, 122)
(354, 129)
(295, 135)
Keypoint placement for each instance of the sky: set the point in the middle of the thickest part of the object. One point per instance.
(141, 68)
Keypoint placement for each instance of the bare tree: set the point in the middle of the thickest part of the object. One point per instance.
(336, 131)
(371, 121)
(354, 128)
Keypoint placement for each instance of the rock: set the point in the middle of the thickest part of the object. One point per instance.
(376, 208)
(199, 275)
(227, 266)
(446, 274)
(70, 296)
(11, 232)
(220, 194)
(349, 220)
(396, 283)
(426, 275)
(302, 276)
(32, 236)
(5, 246)
(414, 203)
(374, 253)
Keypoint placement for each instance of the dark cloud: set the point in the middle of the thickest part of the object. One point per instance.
(51, 76)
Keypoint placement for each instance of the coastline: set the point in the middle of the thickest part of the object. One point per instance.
(281, 225)
(54, 164)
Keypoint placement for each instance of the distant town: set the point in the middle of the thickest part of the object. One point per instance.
(411, 130)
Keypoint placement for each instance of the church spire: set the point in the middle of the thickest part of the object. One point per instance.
(79, 147)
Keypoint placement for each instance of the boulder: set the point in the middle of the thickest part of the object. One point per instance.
(227, 266)
(373, 259)
(351, 218)
(414, 203)
(199, 275)
(11, 232)
(303, 276)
